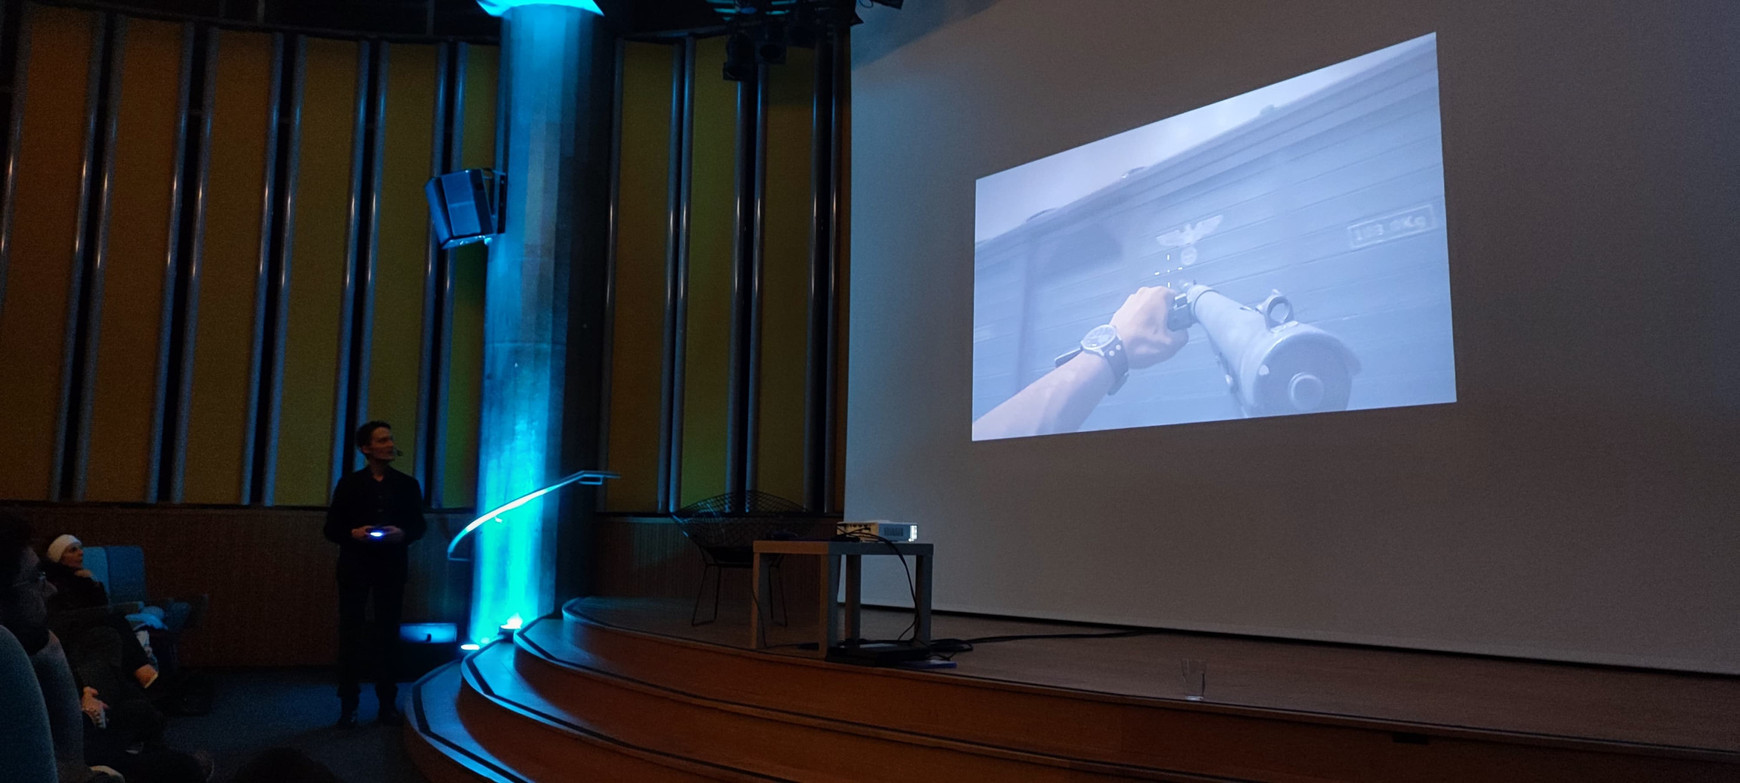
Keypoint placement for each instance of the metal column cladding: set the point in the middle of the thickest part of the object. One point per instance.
(681, 186)
(820, 376)
(746, 270)
(548, 65)
(286, 239)
(355, 273)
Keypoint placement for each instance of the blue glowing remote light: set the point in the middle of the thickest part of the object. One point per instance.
(500, 7)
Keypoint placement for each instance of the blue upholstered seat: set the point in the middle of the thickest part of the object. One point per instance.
(26, 745)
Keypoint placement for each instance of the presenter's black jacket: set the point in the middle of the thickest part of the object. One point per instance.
(361, 501)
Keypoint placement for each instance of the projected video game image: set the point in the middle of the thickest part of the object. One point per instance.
(1276, 253)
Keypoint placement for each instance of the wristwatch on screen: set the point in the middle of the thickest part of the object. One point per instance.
(1102, 341)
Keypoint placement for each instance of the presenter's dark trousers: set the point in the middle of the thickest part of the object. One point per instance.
(369, 649)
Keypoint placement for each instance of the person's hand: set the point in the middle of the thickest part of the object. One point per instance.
(393, 534)
(359, 533)
(1141, 324)
(83, 573)
(93, 706)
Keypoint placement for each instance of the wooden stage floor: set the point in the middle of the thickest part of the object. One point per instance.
(1543, 700)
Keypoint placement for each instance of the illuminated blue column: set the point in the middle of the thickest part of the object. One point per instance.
(545, 71)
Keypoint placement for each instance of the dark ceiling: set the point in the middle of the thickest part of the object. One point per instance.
(438, 18)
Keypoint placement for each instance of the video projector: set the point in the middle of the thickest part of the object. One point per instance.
(879, 528)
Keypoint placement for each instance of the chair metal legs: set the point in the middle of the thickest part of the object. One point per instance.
(695, 616)
(777, 599)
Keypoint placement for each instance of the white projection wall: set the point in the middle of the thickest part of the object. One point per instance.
(1580, 498)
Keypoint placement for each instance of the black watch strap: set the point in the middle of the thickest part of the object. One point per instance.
(1120, 362)
(1113, 353)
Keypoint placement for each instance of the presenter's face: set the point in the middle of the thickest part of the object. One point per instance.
(381, 448)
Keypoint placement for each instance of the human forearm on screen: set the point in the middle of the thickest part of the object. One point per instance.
(1061, 400)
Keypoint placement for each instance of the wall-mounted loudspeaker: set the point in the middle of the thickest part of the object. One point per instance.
(465, 206)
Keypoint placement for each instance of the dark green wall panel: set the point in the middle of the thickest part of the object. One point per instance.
(40, 255)
(229, 271)
(465, 354)
(642, 241)
(135, 267)
(317, 260)
(706, 389)
(785, 278)
(401, 267)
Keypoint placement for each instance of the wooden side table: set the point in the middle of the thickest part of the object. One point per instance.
(831, 552)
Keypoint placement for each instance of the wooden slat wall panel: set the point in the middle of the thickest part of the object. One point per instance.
(317, 262)
(706, 372)
(215, 451)
(642, 242)
(785, 277)
(401, 265)
(135, 271)
(465, 356)
(269, 573)
(43, 223)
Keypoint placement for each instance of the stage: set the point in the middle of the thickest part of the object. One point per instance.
(627, 688)
(1695, 713)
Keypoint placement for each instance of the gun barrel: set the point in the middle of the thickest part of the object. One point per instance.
(1274, 369)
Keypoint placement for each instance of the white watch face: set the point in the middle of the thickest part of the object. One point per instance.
(1099, 337)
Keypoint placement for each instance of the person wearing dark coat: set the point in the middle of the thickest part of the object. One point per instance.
(376, 514)
(79, 613)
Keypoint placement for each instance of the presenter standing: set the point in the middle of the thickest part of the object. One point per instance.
(376, 513)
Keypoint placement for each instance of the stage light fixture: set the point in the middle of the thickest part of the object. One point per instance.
(500, 7)
(770, 43)
(739, 56)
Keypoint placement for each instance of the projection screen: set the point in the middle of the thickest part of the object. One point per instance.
(1557, 483)
(1297, 231)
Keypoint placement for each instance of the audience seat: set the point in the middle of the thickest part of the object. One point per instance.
(26, 744)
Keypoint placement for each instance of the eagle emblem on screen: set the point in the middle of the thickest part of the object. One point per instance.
(1187, 236)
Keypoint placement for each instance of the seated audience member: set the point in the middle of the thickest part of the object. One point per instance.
(129, 743)
(74, 586)
(158, 625)
(78, 613)
(128, 738)
(24, 613)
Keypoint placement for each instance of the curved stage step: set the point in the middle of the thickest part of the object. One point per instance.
(570, 696)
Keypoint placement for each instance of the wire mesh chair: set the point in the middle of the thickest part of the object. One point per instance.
(726, 527)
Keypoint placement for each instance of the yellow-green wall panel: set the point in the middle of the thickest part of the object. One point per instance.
(642, 241)
(40, 262)
(135, 266)
(402, 243)
(706, 371)
(465, 352)
(482, 67)
(317, 264)
(785, 275)
(229, 270)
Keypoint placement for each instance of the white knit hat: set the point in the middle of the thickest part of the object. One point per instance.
(61, 545)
